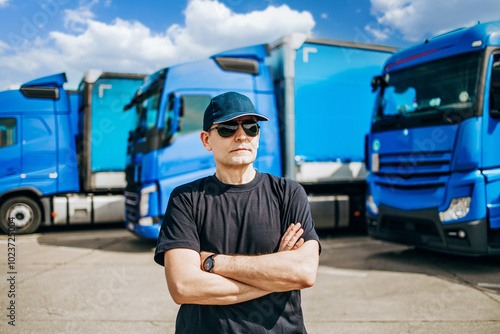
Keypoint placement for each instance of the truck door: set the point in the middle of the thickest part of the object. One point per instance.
(491, 158)
(183, 124)
(39, 160)
(10, 150)
(184, 158)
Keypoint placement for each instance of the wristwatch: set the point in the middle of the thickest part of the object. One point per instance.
(209, 263)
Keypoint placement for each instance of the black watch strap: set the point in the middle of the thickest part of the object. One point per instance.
(209, 263)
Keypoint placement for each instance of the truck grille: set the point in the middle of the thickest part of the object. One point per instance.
(132, 199)
(415, 170)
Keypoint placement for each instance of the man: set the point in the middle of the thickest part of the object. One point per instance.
(239, 245)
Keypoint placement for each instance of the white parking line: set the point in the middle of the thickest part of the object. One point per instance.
(74, 249)
(489, 285)
(20, 240)
(340, 272)
(353, 244)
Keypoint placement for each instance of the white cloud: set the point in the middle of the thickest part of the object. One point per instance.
(76, 20)
(379, 34)
(130, 46)
(418, 19)
(225, 29)
(3, 47)
(4, 3)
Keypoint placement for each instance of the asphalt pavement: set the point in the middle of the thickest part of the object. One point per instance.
(106, 282)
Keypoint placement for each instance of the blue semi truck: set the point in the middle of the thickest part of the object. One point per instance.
(317, 96)
(435, 171)
(62, 153)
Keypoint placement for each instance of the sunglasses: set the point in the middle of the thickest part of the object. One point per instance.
(228, 129)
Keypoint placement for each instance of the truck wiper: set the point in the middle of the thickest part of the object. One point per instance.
(428, 108)
(423, 117)
(390, 121)
(445, 114)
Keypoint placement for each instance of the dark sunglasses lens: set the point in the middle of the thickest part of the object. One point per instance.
(226, 130)
(251, 129)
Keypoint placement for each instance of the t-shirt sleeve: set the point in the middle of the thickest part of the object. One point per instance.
(178, 229)
(298, 210)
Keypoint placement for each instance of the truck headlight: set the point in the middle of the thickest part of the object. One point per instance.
(371, 204)
(144, 205)
(146, 221)
(459, 207)
(375, 162)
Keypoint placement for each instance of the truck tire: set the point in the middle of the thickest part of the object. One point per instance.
(26, 214)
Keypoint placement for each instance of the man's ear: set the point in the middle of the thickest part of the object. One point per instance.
(204, 136)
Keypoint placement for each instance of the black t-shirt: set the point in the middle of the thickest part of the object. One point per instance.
(247, 219)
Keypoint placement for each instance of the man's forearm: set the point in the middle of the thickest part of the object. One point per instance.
(188, 284)
(281, 271)
(215, 290)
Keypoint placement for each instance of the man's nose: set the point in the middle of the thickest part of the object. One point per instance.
(240, 133)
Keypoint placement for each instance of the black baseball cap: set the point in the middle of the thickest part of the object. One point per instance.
(228, 106)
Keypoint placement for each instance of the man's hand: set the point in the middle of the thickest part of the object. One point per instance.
(291, 240)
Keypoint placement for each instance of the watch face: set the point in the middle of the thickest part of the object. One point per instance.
(208, 264)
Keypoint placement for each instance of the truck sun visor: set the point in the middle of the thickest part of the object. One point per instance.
(40, 92)
(238, 65)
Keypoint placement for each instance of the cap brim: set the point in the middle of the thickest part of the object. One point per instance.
(237, 115)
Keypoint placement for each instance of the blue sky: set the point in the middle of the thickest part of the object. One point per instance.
(43, 37)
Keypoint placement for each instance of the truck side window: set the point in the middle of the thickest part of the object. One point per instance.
(8, 132)
(192, 109)
(495, 87)
(169, 117)
(149, 110)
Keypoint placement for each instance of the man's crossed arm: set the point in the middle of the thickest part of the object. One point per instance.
(240, 278)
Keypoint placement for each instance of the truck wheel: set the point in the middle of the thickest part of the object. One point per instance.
(23, 212)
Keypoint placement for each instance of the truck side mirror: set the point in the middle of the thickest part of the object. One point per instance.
(378, 82)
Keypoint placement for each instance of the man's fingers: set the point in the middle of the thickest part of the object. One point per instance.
(299, 243)
(290, 232)
(292, 238)
(287, 237)
(295, 238)
(292, 229)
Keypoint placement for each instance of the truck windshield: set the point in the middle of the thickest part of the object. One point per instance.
(438, 92)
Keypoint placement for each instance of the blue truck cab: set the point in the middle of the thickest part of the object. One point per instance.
(165, 149)
(62, 153)
(317, 96)
(37, 154)
(433, 145)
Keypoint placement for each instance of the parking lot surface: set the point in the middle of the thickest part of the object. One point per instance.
(90, 280)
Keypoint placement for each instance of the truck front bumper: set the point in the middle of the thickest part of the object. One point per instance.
(423, 229)
(148, 232)
(145, 227)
